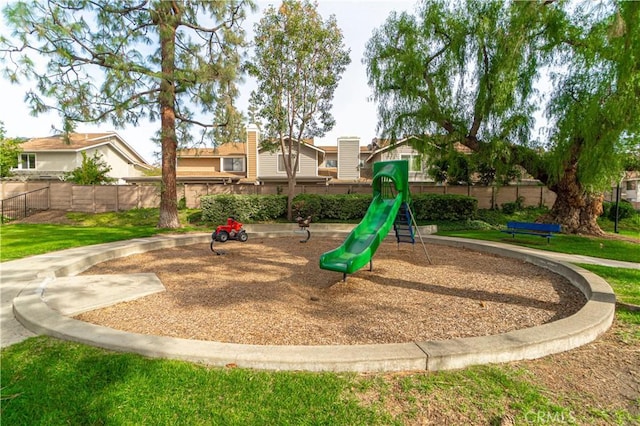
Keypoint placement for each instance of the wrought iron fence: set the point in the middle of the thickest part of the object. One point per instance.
(23, 205)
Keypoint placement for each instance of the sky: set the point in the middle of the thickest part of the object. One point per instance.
(354, 113)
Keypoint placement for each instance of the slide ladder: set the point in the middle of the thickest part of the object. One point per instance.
(406, 228)
(403, 225)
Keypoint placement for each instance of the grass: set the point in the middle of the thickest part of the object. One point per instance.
(573, 244)
(22, 239)
(625, 282)
(49, 382)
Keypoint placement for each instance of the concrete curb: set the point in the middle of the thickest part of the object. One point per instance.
(585, 326)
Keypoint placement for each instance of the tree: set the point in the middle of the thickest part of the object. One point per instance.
(594, 109)
(93, 171)
(298, 62)
(230, 122)
(10, 150)
(466, 72)
(126, 62)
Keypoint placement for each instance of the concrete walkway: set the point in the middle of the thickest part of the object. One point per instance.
(43, 292)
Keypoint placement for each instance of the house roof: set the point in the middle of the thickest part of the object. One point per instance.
(79, 142)
(224, 150)
(385, 145)
(304, 143)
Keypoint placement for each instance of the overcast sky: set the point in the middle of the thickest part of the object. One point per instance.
(354, 114)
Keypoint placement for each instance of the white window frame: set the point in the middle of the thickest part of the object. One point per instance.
(334, 161)
(28, 156)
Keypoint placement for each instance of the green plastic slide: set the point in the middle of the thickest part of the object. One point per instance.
(390, 190)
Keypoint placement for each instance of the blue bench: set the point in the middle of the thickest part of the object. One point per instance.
(540, 229)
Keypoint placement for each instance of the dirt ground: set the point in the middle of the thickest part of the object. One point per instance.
(262, 290)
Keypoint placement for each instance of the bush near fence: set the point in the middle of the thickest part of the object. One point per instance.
(244, 208)
(257, 208)
(434, 207)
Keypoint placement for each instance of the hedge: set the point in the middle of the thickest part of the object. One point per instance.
(256, 208)
(436, 207)
(245, 208)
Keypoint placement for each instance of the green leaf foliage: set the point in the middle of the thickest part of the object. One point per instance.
(471, 73)
(93, 171)
(298, 61)
(435, 207)
(123, 62)
(245, 208)
(10, 149)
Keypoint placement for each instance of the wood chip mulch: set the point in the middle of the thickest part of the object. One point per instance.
(272, 292)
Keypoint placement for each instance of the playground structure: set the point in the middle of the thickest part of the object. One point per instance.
(53, 315)
(390, 207)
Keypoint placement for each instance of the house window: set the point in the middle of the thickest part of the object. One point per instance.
(233, 164)
(281, 168)
(415, 162)
(331, 163)
(27, 161)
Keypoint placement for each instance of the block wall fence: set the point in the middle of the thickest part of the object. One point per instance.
(103, 198)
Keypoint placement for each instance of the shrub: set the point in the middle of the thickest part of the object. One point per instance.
(345, 206)
(509, 208)
(513, 206)
(245, 208)
(625, 210)
(435, 207)
(308, 205)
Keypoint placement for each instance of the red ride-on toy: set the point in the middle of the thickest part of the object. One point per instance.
(231, 231)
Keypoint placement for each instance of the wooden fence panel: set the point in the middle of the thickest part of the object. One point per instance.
(484, 195)
(128, 197)
(148, 196)
(105, 198)
(70, 197)
(60, 196)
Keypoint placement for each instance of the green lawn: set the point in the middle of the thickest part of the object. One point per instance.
(605, 248)
(625, 282)
(21, 239)
(51, 382)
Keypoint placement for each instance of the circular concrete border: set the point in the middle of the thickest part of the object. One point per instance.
(586, 325)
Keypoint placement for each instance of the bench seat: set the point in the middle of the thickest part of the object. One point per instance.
(540, 229)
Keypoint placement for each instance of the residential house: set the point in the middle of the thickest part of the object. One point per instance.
(382, 150)
(249, 162)
(271, 165)
(629, 187)
(52, 157)
(253, 162)
(225, 163)
(353, 158)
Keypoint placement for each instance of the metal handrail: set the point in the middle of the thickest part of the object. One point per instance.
(415, 225)
(25, 204)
